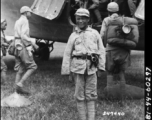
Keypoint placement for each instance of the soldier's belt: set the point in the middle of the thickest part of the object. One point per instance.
(84, 57)
(17, 38)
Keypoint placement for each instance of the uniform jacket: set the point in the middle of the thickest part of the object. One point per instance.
(22, 31)
(82, 43)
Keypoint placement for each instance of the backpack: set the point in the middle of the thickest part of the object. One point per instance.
(115, 35)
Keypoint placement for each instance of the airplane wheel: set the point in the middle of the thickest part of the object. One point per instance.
(43, 52)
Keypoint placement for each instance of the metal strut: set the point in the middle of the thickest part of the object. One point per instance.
(52, 46)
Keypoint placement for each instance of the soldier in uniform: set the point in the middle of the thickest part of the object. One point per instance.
(117, 58)
(4, 45)
(83, 56)
(23, 53)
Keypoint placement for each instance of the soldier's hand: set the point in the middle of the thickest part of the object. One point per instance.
(36, 47)
(5, 44)
(9, 42)
(29, 49)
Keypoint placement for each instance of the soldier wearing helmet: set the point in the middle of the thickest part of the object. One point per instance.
(117, 55)
(4, 45)
(83, 56)
(23, 53)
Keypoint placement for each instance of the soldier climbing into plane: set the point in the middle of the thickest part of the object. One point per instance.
(23, 50)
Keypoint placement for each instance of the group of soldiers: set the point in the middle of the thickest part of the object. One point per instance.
(127, 7)
(84, 58)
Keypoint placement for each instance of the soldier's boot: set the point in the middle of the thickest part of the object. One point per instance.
(81, 107)
(19, 87)
(91, 110)
(110, 81)
(27, 75)
(3, 77)
(21, 91)
(18, 76)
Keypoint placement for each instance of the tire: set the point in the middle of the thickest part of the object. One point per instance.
(43, 52)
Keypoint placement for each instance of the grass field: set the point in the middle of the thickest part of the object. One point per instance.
(52, 94)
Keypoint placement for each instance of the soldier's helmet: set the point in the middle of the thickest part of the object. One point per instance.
(113, 7)
(25, 9)
(82, 12)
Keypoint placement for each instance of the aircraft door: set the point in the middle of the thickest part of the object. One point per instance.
(49, 9)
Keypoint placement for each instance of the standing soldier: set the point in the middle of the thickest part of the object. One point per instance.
(94, 5)
(120, 39)
(23, 53)
(84, 54)
(4, 45)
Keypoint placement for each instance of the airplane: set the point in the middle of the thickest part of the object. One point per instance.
(52, 21)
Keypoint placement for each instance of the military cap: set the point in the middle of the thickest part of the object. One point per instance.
(82, 12)
(113, 7)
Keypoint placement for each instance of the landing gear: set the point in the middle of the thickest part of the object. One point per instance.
(45, 48)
